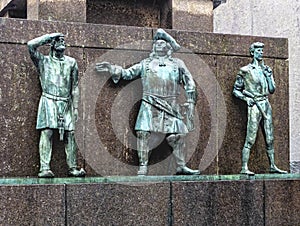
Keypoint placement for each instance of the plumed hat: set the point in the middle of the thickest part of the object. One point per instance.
(161, 34)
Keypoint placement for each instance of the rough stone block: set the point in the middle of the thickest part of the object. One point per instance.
(77, 34)
(63, 10)
(140, 13)
(225, 44)
(192, 15)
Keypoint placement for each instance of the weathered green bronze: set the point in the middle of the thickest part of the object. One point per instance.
(161, 76)
(58, 107)
(253, 84)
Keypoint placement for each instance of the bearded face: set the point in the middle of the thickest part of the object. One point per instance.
(59, 44)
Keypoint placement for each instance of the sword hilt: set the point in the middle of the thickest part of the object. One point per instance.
(60, 126)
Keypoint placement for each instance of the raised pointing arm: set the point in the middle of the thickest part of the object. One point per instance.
(117, 72)
(37, 42)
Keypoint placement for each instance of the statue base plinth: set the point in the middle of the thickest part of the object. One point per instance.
(133, 200)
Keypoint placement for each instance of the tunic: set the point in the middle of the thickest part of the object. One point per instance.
(59, 81)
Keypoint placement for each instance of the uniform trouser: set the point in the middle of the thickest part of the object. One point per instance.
(45, 149)
(255, 119)
(176, 141)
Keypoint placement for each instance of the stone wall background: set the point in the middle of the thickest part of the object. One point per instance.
(130, 13)
(280, 18)
(200, 200)
(213, 59)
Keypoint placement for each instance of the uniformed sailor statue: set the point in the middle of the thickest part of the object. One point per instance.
(253, 84)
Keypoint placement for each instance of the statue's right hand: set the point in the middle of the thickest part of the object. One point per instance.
(103, 67)
(250, 101)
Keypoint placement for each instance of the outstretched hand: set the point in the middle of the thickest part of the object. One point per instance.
(103, 67)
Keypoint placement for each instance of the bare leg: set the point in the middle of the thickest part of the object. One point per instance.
(254, 117)
(245, 159)
(269, 138)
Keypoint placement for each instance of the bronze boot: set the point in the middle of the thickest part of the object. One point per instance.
(176, 141)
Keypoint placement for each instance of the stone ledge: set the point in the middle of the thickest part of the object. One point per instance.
(145, 179)
(18, 31)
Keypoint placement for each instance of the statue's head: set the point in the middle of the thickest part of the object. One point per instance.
(58, 44)
(163, 43)
(256, 50)
(161, 47)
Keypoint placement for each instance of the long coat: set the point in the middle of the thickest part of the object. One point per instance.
(160, 110)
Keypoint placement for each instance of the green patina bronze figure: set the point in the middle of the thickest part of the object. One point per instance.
(58, 107)
(253, 84)
(161, 76)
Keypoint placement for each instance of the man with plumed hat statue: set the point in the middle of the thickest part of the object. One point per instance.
(162, 77)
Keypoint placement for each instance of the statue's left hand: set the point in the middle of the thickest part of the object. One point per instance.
(267, 70)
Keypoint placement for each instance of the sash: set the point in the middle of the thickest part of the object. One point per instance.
(163, 105)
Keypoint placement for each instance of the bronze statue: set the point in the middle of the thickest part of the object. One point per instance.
(161, 76)
(58, 107)
(253, 84)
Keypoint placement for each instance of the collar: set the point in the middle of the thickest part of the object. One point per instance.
(57, 59)
(254, 66)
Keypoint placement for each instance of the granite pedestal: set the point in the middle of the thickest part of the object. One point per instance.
(106, 138)
(160, 200)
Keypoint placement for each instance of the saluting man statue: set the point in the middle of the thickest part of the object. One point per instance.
(58, 107)
(253, 84)
(161, 76)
